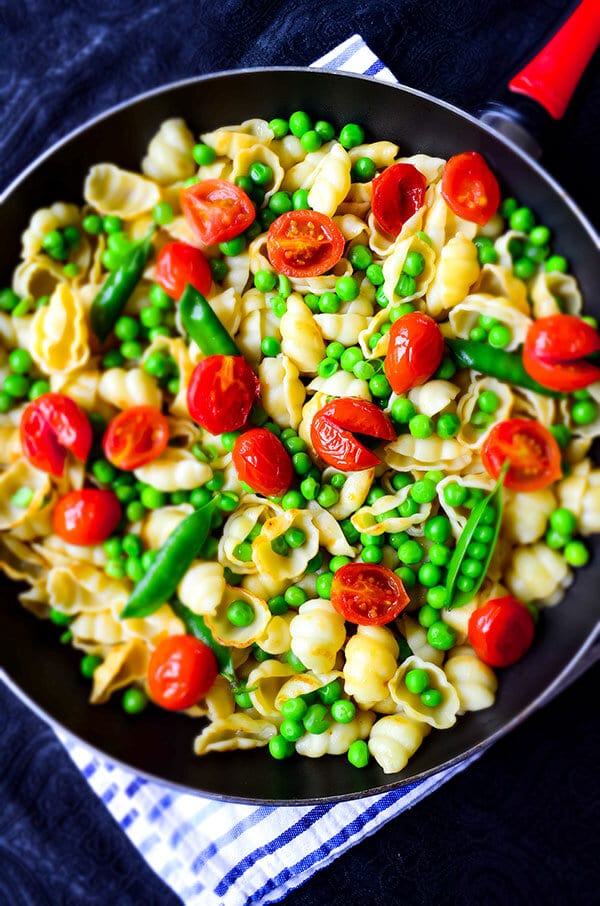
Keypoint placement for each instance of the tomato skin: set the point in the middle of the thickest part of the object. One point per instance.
(135, 437)
(182, 669)
(554, 352)
(398, 193)
(469, 187)
(261, 460)
(84, 517)
(501, 631)
(304, 244)
(415, 351)
(531, 449)
(178, 264)
(332, 436)
(52, 425)
(221, 393)
(368, 594)
(216, 210)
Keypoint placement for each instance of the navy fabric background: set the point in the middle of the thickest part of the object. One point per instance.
(519, 827)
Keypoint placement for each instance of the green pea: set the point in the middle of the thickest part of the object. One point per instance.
(277, 605)
(243, 700)
(300, 200)
(163, 213)
(299, 123)
(372, 554)
(89, 664)
(420, 426)
(53, 239)
(218, 268)
(483, 534)
(240, 613)
(111, 224)
(327, 496)
(265, 281)
(295, 537)
(135, 511)
(398, 311)
(563, 520)
(383, 301)
(408, 508)
(524, 268)
(455, 495)
(423, 491)
(293, 500)
(325, 130)
(134, 568)
(556, 263)
(295, 596)
(429, 574)
(584, 412)
(22, 498)
(337, 480)
(478, 334)
(317, 719)
(243, 552)
(350, 357)
(329, 303)
(323, 585)
(270, 346)
(414, 264)
(233, 246)
(351, 135)
(20, 361)
(347, 288)
(134, 700)
(152, 498)
(6, 401)
(350, 533)
(427, 616)
(431, 698)
(280, 546)
(410, 552)
(446, 370)
(401, 480)
(556, 540)
(522, 220)
(294, 708)
(407, 576)
(311, 140)
(465, 583)
(364, 169)
(416, 681)
(16, 386)
(280, 748)
(59, 618)
(279, 127)
(436, 596)
(377, 540)
(291, 729)
(227, 501)
(343, 711)
(561, 434)
(309, 488)
(131, 349)
(92, 224)
(358, 754)
(127, 328)
(576, 553)
(487, 254)
(403, 410)
(203, 154)
(488, 401)
(500, 336)
(360, 257)
(406, 286)
(374, 274)
(115, 568)
(472, 568)
(331, 692)
(441, 636)
(216, 482)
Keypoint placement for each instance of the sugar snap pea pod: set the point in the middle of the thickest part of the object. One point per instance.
(203, 325)
(196, 626)
(118, 287)
(506, 366)
(173, 560)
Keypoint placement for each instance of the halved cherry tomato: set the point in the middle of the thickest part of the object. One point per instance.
(216, 210)
(469, 187)
(261, 460)
(182, 669)
(415, 351)
(179, 263)
(532, 451)
(368, 594)
(51, 426)
(555, 350)
(398, 193)
(332, 436)
(221, 393)
(304, 244)
(86, 517)
(135, 437)
(501, 631)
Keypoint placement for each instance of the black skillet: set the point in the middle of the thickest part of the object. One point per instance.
(157, 744)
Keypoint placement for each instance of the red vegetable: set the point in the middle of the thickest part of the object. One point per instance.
(51, 426)
(86, 517)
(332, 434)
(415, 351)
(216, 210)
(221, 393)
(398, 193)
(178, 264)
(532, 451)
(555, 350)
(304, 244)
(261, 460)
(470, 188)
(135, 437)
(501, 631)
(368, 594)
(182, 669)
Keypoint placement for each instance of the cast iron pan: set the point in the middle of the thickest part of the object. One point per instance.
(158, 744)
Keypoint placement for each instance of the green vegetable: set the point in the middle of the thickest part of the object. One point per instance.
(506, 366)
(294, 708)
(300, 122)
(351, 135)
(317, 719)
(134, 700)
(343, 711)
(441, 636)
(195, 625)
(119, 286)
(280, 748)
(416, 681)
(291, 729)
(203, 154)
(358, 754)
(240, 613)
(203, 325)
(89, 664)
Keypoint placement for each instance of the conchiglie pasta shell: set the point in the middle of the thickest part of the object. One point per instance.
(474, 681)
(289, 150)
(496, 280)
(202, 587)
(125, 389)
(338, 738)
(239, 731)
(465, 316)
(331, 536)
(119, 193)
(277, 636)
(154, 628)
(266, 681)
(251, 511)
(59, 333)
(456, 272)
(442, 716)
(247, 156)
(331, 181)
(416, 638)
(125, 664)
(370, 663)
(365, 519)
(538, 573)
(394, 740)
(21, 475)
(282, 393)
(427, 453)
(295, 563)
(353, 492)
(546, 287)
(318, 633)
(525, 515)
(342, 383)
(230, 140)
(469, 434)
(432, 397)
(80, 587)
(302, 174)
(158, 524)
(393, 264)
(304, 684)
(301, 339)
(37, 276)
(174, 470)
(169, 156)
(43, 221)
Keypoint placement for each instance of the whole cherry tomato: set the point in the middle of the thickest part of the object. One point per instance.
(469, 187)
(398, 193)
(261, 460)
(179, 263)
(332, 433)
(415, 351)
(51, 426)
(501, 631)
(533, 453)
(86, 517)
(221, 393)
(555, 350)
(135, 437)
(181, 671)
(216, 210)
(304, 244)
(368, 594)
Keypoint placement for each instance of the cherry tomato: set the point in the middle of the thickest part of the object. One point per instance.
(221, 393)
(216, 210)
(179, 263)
(368, 594)
(398, 193)
(51, 426)
(304, 244)
(261, 460)
(332, 434)
(135, 437)
(86, 517)
(182, 669)
(532, 451)
(501, 631)
(469, 187)
(555, 350)
(415, 351)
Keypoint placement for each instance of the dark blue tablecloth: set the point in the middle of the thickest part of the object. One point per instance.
(519, 827)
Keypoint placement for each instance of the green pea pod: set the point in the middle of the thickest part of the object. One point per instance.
(195, 625)
(173, 560)
(506, 366)
(203, 325)
(118, 287)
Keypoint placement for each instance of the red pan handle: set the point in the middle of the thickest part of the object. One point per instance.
(552, 76)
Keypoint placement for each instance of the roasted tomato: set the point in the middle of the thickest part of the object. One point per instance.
(531, 450)
(261, 460)
(368, 594)
(334, 426)
(86, 517)
(135, 437)
(415, 351)
(216, 210)
(304, 244)
(470, 188)
(51, 426)
(501, 631)
(398, 193)
(181, 671)
(555, 350)
(221, 393)
(179, 263)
